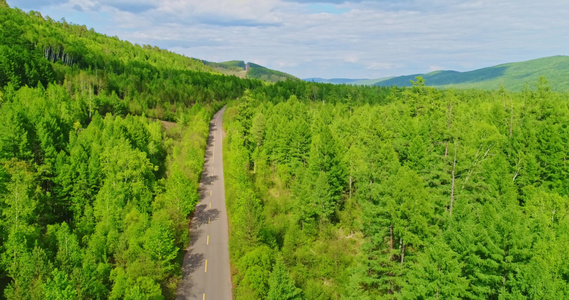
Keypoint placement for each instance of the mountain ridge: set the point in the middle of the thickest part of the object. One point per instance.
(249, 70)
(513, 76)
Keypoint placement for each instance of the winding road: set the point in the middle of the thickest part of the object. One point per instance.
(205, 270)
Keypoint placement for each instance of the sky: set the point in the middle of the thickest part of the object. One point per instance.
(332, 38)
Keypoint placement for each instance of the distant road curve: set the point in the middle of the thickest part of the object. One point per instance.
(205, 270)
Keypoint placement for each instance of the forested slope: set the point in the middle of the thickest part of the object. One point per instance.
(94, 191)
(417, 193)
(249, 70)
(134, 78)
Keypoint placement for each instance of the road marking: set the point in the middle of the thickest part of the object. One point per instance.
(206, 265)
(210, 205)
(210, 193)
(203, 297)
(207, 240)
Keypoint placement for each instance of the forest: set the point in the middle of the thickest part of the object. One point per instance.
(418, 193)
(96, 185)
(333, 191)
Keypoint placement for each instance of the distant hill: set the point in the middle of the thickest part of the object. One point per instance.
(334, 80)
(347, 80)
(513, 76)
(249, 70)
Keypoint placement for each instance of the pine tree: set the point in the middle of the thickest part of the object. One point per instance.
(281, 286)
(59, 287)
(325, 157)
(436, 273)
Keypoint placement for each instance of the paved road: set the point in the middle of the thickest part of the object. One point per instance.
(205, 271)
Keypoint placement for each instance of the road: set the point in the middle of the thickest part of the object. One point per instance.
(205, 270)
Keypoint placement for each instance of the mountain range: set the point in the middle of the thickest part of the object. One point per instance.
(512, 76)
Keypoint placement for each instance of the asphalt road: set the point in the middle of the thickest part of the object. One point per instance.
(205, 270)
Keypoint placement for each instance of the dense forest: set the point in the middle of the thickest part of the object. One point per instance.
(333, 191)
(95, 187)
(417, 193)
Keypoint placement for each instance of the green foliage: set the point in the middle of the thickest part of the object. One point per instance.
(96, 201)
(20, 63)
(281, 285)
(94, 196)
(255, 281)
(411, 193)
(332, 191)
(59, 287)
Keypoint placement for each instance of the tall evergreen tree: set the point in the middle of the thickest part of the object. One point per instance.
(281, 286)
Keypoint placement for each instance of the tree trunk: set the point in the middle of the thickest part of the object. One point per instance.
(402, 252)
(273, 166)
(453, 179)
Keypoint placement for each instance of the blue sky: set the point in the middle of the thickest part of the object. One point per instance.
(332, 38)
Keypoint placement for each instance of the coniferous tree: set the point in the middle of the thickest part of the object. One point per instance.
(281, 285)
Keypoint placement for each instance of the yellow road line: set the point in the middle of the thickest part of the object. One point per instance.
(208, 240)
(210, 193)
(206, 265)
(203, 296)
(210, 205)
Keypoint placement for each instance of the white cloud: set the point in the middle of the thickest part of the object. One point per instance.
(287, 64)
(381, 66)
(84, 5)
(435, 68)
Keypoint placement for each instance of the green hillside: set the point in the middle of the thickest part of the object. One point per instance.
(255, 71)
(249, 70)
(233, 67)
(513, 76)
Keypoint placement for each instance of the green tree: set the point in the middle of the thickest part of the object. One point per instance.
(325, 158)
(59, 287)
(436, 273)
(257, 265)
(281, 285)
